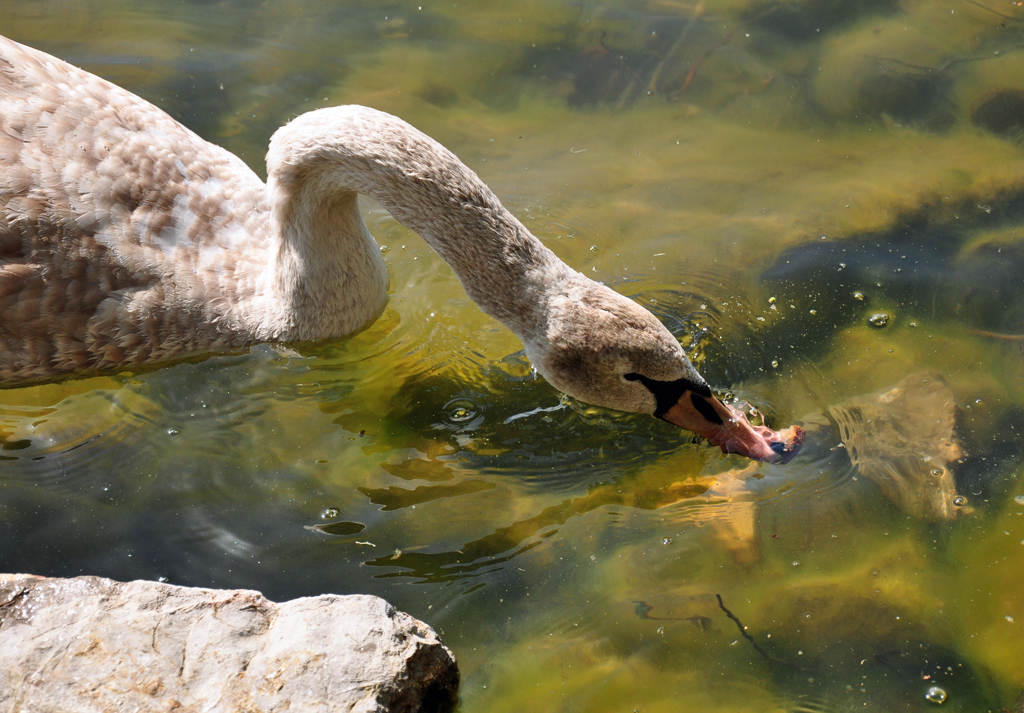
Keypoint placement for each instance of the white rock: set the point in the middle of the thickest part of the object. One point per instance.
(93, 644)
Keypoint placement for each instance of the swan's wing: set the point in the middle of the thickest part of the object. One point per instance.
(122, 233)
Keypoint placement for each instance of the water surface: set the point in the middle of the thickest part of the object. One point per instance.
(766, 177)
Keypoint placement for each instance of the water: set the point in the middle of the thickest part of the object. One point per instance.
(764, 177)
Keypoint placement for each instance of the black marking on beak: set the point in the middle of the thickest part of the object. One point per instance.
(706, 409)
(668, 393)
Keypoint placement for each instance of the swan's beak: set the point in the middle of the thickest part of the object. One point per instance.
(729, 429)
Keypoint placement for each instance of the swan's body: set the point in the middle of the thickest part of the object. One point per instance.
(127, 239)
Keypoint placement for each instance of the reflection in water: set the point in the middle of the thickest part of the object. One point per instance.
(66, 446)
(420, 469)
(903, 440)
(8, 442)
(508, 542)
(338, 528)
(394, 498)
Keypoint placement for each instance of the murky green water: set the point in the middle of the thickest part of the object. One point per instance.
(766, 177)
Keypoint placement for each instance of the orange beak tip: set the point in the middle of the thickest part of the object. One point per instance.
(788, 444)
(759, 442)
(733, 432)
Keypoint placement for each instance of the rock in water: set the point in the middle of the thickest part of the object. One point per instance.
(93, 644)
(902, 439)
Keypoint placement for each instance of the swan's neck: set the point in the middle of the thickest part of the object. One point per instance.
(328, 276)
(317, 165)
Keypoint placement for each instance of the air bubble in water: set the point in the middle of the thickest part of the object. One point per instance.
(1019, 500)
(461, 410)
(329, 513)
(935, 695)
(878, 320)
(959, 501)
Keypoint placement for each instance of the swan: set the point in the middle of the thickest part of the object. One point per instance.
(127, 239)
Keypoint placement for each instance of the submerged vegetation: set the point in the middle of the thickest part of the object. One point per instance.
(820, 199)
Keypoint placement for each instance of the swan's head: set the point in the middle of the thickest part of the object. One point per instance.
(605, 349)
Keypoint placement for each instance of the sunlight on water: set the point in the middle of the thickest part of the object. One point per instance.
(768, 178)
